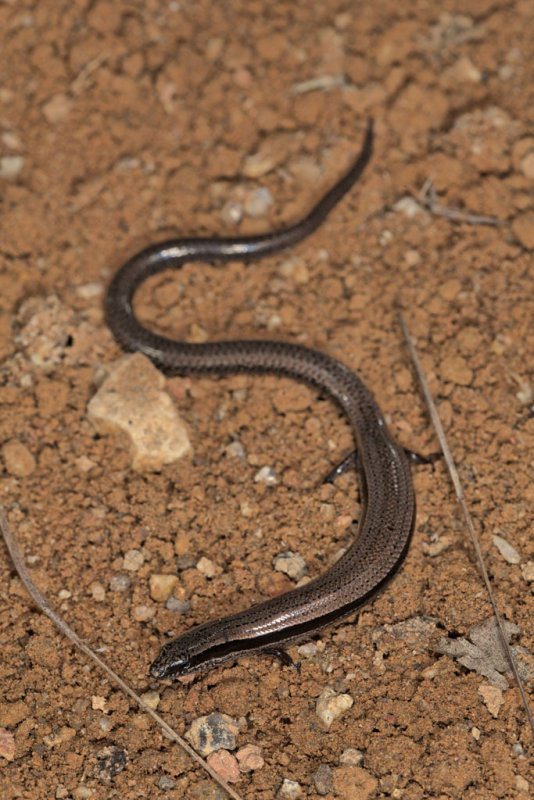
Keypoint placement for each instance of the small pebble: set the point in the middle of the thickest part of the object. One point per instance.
(274, 322)
(351, 756)
(185, 561)
(143, 613)
(165, 783)
(84, 464)
(330, 705)
(89, 290)
(105, 724)
(258, 164)
(214, 732)
(110, 761)
(308, 650)
(528, 571)
(60, 736)
(433, 549)
(289, 789)
(409, 207)
(83, 792)
(323, 779)
(259, 202)
(507, 551)
(295, 267)
(492, 697)
(10, 167)
(152, 699)
(249, 509)
(225, 765)
(291, 564)
(208, 568)
(161, 587)
(98, 703)
(11, 140)
(266, 475)
(249, 758)
(133, 559)
(18, 459)
(119, 583)
(178, 606)
(236, 450)
(57, 108)
(232, 212)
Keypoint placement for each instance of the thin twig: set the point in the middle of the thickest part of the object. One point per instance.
(467, 516)
(429, 199)
(43, 604)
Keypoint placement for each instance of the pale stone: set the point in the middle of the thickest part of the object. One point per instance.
(131, 400)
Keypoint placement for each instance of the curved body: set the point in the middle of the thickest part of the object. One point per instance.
(387, 517)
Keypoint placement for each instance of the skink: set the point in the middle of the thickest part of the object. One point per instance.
(388, 499)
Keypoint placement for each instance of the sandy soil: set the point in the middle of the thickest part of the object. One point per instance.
(124, 122)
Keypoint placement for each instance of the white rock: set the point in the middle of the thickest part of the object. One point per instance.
(10, 166)
(506, 550)
(131, 399)
(330, 705)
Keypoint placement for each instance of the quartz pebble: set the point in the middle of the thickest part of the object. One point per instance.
(507, 551)
(330, 705)
(259, 202)
(266, 475)
(289, 790)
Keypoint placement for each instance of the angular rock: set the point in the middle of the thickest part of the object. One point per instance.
(131, 400)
